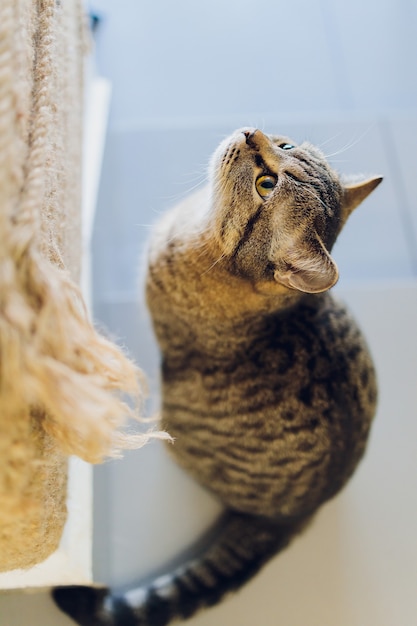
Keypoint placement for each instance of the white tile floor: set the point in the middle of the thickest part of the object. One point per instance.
(342, 75)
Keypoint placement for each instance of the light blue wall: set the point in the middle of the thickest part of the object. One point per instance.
(188, 59)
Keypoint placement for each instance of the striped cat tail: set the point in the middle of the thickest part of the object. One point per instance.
(239, 549)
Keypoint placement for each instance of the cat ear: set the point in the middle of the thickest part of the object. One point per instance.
(309, 268)
(355, 192)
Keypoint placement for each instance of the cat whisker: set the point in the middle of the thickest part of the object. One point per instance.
(329, 140)
(201, 179)
(200, 183)
(144, 225)
(307, 188)
(221, 257)
(200, 176)
(351, 143)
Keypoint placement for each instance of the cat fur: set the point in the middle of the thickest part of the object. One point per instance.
(268, 387)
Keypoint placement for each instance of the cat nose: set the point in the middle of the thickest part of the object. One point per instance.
(250, 136)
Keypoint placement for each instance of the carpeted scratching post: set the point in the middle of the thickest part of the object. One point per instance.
(60, 381)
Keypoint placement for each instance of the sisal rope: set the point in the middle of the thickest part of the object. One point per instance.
(62, 384)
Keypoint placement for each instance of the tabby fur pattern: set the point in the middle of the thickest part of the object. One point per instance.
(268, 387)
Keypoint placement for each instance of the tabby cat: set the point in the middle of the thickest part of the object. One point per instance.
(267, 385)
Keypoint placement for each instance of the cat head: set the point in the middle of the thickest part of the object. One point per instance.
(277, 208)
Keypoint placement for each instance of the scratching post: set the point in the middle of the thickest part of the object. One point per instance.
(60, 381)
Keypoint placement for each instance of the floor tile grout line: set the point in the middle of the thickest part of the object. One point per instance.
(405, 208)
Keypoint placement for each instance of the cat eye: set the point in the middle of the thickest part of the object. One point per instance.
(265, 185)
(286, 146)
